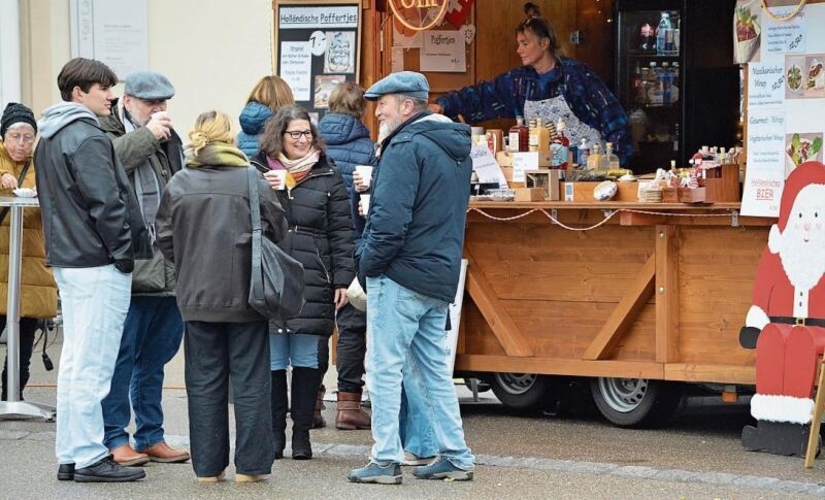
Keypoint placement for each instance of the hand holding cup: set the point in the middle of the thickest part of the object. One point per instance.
(276, 179)
(362, 177)
(160, 125)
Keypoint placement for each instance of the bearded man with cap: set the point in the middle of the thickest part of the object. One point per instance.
(18, 130)
(409, 261)
(151, 152)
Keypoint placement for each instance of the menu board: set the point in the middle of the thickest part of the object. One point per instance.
(786, 100)
(317, 46)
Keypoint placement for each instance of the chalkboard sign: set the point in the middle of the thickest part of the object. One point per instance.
(317, 46)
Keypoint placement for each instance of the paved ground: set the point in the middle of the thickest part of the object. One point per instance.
(699, 456)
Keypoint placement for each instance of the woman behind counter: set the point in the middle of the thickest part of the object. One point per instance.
(548, 86)
(38, 294)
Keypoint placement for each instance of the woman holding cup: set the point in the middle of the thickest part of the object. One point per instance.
(315, 200)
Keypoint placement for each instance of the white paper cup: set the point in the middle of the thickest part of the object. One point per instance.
(365, 171)
(365, 203)
(280, 175)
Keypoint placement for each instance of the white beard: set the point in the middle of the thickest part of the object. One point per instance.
(803, 264)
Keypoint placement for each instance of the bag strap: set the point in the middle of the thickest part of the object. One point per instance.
(5, 211)
(257, 285)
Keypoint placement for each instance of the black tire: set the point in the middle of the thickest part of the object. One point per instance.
(635, 403)
(521, 391)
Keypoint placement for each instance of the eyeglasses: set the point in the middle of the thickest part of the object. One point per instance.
(296, 134)
(24, 138)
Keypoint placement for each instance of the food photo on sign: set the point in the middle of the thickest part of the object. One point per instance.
(746, 31)
(802, 147)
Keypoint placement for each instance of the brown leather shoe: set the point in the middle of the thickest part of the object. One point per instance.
(162, 452)
(350, 416)
(126, 456)
(318, 421)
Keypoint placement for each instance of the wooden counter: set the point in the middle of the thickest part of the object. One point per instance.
(658, 291)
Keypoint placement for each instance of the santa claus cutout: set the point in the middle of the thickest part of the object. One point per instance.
(786, 322)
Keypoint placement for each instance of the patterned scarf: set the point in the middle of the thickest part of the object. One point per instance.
(216, 153)
(300, 167)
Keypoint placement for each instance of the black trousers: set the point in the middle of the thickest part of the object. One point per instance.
(351, 348)
(215, 354)
(28, 328)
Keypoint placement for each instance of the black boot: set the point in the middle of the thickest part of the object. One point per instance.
(279, 407)
(305, 383)
(777, 438)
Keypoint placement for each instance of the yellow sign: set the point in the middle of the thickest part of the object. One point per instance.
(412, 14)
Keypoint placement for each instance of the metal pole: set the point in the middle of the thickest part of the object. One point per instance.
(13, 305)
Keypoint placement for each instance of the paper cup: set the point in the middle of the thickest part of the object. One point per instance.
(365, 171)
(365, 204)
(280, 175)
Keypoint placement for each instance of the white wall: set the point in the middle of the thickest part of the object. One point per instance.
(9, 53)
(213, 52)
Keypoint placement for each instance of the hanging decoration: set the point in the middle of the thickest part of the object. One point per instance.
(458, 12)
(783, 19)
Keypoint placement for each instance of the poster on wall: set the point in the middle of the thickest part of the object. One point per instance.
(317, 47)
(786, 98)
(112, 31)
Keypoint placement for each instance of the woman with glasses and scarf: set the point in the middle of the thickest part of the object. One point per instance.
(317, 206)
(18, 130)
(548, 86)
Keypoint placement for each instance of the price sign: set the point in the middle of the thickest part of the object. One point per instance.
(444, 51)
(785, 37)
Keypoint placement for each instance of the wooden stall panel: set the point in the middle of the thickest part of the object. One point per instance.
(530, 262)
(717, 268)
(561, 330)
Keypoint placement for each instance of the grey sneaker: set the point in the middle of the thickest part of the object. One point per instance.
(443, 469)
(376, 473)
(415, 460)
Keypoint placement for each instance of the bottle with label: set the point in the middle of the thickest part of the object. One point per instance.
(539, 136)
(612, 160)
(533, 142)
(666, 83)
(654, 88)
(594, 161)
(664, 35)
(519, 135)
(583, 153)
(560, 147)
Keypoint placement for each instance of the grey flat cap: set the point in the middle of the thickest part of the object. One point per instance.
(408, 83)
(149, 86)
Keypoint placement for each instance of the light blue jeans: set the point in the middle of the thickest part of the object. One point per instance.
(294, 349)
(405, 334)
(94, 305)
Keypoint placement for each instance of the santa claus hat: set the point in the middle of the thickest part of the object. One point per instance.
(810, 172)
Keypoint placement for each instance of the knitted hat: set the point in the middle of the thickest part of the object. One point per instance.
(16, 113)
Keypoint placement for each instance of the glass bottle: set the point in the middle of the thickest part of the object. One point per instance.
(594, 161)
(583, 153)
(519, 135)
(664, 34)
(612, 159)
(560, 147)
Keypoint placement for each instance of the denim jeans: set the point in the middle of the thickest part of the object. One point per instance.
(151, 338)
(405, 334)
(296, 349)
(416, 430)
(218, 354)
(95, 301)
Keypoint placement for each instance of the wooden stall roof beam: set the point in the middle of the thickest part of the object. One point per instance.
(504, 328)
(667, 294)
(624, 314)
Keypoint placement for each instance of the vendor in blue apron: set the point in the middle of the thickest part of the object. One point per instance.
(549, 87)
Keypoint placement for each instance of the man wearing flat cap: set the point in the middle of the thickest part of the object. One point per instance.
(410, 260)
(151, 152)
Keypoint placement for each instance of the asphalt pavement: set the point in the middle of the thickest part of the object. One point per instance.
(517, 457)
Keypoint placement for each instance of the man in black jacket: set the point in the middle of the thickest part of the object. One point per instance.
(91, 235)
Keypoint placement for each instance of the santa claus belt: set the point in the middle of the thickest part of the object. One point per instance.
(798, 321)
